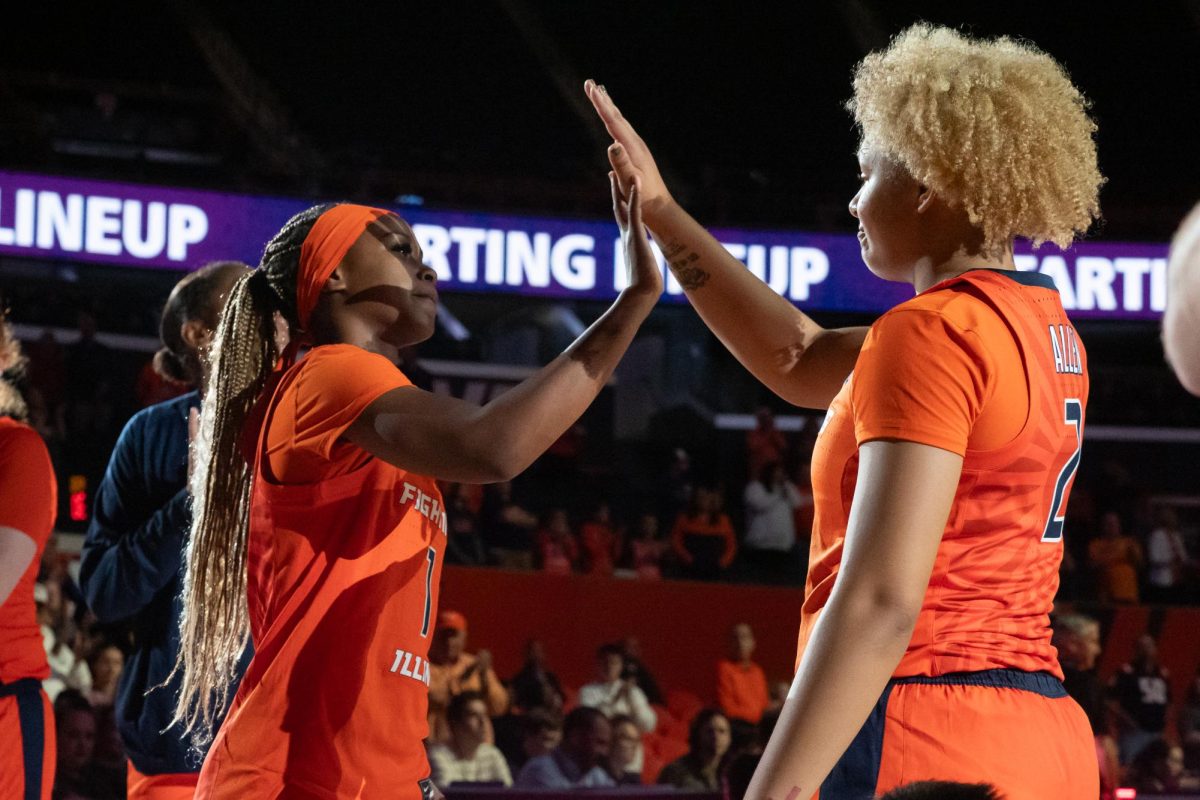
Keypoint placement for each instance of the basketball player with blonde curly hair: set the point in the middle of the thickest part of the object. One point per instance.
(953, 430)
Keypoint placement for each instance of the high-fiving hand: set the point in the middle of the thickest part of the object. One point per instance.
(630, 157)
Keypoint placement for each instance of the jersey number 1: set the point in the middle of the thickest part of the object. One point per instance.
(432, 556)
(1073, 415)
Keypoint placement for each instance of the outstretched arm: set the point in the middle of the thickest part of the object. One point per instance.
(784, 348)
(453, 440)
(899, 511)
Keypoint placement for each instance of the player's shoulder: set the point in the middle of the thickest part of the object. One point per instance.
(167, 411)
(342, 362)
(958, 304)
(19, 439)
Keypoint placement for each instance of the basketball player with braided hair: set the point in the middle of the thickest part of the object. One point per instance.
(132, 560)
(28, 499)
(952, 433)
(318, 528)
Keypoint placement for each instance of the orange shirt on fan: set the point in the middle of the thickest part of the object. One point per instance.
(742, 690)
(28, 503)
(988, 366)
(345, 557)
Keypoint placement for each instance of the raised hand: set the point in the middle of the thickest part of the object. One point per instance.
(640, 264)
(630, 157)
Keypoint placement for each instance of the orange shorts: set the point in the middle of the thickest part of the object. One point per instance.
(173, 786)
(27, 731)
(1018, 731)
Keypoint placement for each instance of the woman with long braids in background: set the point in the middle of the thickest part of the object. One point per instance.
(319, 530)
(954, 425)
(28, 505)
(132, 564)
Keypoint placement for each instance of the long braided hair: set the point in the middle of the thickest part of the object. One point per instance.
(215, 625)
(12, 368)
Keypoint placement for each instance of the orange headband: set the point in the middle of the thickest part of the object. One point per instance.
(331, 236)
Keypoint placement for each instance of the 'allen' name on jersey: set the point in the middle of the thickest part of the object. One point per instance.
(1065, 345)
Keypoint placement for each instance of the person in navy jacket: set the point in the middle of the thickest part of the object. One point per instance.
(132, 557)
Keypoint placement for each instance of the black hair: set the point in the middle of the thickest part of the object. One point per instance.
(696, 731)
(456, 711)
(609, 649)
(943, 790)
(193, 298)
(582, 718)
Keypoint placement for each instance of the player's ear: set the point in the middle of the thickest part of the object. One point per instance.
(925, 198)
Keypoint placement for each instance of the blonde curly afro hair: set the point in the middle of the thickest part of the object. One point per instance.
(995, 126)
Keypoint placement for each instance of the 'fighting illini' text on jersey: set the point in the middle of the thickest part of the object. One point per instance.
(345, 558)
(941, 370)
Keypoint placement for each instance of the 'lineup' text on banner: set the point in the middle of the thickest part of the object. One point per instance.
(170, 228)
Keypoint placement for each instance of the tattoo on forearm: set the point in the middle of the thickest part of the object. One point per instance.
(673, 249)
(687, 272)
(794, 794)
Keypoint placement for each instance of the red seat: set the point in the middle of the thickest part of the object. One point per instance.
(684, 705)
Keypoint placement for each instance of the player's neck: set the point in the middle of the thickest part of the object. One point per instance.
(929, 271)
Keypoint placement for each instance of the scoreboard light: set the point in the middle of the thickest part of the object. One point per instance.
(77, 492)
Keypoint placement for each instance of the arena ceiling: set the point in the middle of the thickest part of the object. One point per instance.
(478, 103)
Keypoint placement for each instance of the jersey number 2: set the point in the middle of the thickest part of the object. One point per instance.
(432, 556)
(1073, 415)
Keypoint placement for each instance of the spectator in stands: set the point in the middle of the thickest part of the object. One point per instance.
(541, 732)
(647, 549)
(601, 544)
(77, 768)
(623, 753)
(132, 561)
(741, 683)
(676, 487)
(768, 549)
(1116, 559)
(631, 651)
(1167, 558)
(558, 552)
(453, 671)
(464, 544)
(765, 444)
(616, 691)
(708, 743)
(1159, 769)
(507, 527)
(1189, 718)
(105, 664)
(703, 537)
(579, 760)
(1140, 694)
(943, 790)
(1077, 639)
(535, 686)
(741, 767)
(467, 757)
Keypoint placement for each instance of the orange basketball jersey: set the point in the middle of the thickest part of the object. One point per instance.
(344, 571)
(986, 351)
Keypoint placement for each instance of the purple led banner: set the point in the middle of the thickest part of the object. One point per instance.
(167, 228)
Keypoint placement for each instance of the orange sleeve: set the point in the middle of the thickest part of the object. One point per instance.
(920, 378)
(335, 385)
(27, 488)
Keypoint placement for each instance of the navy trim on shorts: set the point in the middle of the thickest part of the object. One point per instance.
(30, 714)
(1042, 683)
(856, 773)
